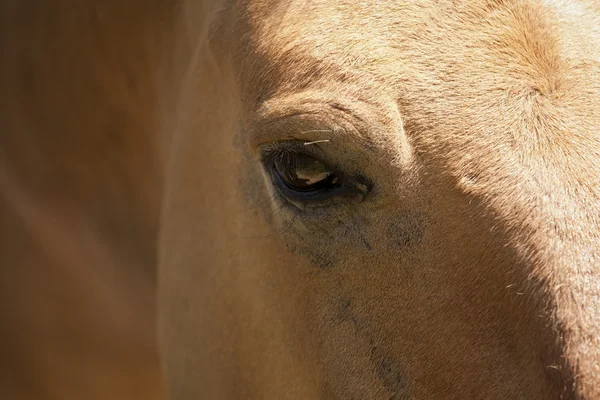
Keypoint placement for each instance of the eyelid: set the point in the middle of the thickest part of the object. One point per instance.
(304, 128)
(293, 146)
(308, 116)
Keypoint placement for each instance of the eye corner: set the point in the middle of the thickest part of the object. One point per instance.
(363, 184)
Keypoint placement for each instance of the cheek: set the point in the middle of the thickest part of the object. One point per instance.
(405, 230)
(328, 241)
(353, 252)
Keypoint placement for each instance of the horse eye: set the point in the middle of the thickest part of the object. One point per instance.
(303, 173)
(307, 181)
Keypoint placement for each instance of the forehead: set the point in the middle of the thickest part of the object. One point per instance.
(460, 62)
(409, 40)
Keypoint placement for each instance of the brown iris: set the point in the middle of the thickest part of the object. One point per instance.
(303, 173)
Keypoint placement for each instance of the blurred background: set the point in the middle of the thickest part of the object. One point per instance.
(79, 199)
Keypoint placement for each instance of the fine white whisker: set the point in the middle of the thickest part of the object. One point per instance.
(316, 141)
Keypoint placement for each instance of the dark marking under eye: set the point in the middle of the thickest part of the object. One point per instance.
(388, 369)
(391, 374)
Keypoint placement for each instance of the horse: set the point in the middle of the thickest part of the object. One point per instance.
(345, 200)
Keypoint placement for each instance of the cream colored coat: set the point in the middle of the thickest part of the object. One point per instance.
(469, 269)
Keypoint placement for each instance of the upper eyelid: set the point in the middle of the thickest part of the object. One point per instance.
(274, 149)
(314, 115)
(309, 117)
(299, 127)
